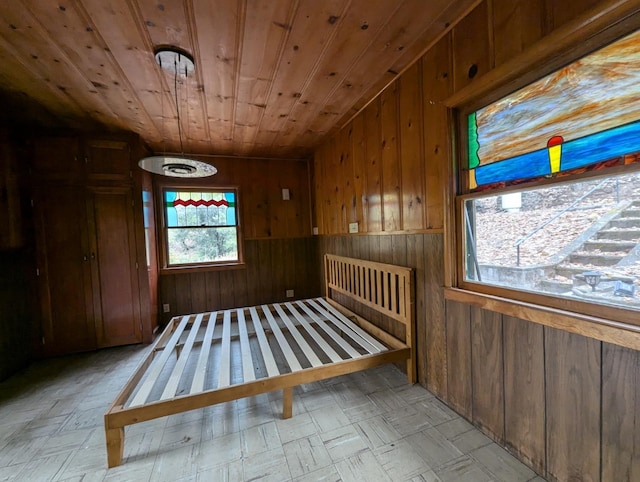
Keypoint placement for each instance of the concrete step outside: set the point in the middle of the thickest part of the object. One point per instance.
(595, 259)
(609, 246)
(633, 212)
(554, 286)
(568, 271)
(619, 234)
(625, 223)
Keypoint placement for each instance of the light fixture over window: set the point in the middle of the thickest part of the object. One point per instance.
(179, 63)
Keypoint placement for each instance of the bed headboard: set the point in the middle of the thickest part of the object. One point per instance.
(385, 288)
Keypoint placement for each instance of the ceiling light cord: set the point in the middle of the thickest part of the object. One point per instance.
(176, 60)
(175, 91)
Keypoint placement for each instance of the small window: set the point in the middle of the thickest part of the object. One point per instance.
(201, 227)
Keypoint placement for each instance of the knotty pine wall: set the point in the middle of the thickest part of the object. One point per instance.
(566, 405)
(280, 252)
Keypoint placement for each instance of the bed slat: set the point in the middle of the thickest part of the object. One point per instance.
(172, 384)
(352, 352)
(224, 373)
(330, 352)
(350, 328)
(157, 366)
(248, 374)
(293, 362)
(302, 343)
(201, 369)
(265, 349)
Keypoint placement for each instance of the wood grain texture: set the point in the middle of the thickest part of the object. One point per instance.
(271, 79)
(391, 174)
(65, 291)
(524, 391)
(487, 374)
(358, 150)
(263, 212)
(437, 85)
(560, 13)
(459, 387)
(272, 267)
(374, 167)
(411, 155)
(471, 49)
(516, 26)
(620, 413)
(572, 375)
(112, 244)
(435, 328)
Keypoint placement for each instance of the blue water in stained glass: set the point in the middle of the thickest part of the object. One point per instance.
(172, 215)
(231, 211)
(577, 153)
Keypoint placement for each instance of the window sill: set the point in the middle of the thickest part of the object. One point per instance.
(622, 334)
(202, 268)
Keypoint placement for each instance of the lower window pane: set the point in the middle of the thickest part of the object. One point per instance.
(579, 240)
(202, 245)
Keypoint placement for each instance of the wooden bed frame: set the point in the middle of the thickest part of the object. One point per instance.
(222, 356)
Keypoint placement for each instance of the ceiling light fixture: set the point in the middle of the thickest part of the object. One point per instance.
(180, 64)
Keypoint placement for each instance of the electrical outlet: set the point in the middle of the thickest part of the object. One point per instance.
(353, 227)
(289, 293)
(166, 308)
(315, 230)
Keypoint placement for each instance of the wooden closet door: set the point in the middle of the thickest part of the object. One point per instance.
(114, 267)
(64, 269)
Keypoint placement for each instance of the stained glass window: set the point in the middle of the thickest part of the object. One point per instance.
(529, 221)
(583, 117)
(201, 227)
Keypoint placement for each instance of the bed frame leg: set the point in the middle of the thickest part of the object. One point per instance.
(115, 445)
(287, 402)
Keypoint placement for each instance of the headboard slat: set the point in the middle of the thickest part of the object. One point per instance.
(384, 287)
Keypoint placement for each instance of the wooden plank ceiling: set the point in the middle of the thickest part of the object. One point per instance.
(272, 78)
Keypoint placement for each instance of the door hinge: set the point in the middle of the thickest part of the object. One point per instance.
(32, 203)
(137, 265)
(43, 340)
(37, 271)
(133, 203)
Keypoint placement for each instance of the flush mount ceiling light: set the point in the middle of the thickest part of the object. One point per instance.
(180, 64)
(176, 166)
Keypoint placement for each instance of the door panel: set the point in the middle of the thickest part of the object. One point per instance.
(65, 276)
(116, 303)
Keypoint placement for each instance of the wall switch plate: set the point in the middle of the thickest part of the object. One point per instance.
(166, 308)
(353, 227)
(289, 293)
(285, 194)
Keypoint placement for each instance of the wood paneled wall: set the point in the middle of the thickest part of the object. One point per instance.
(388, 168)
(263, 212)
(567, 405)
(423, 253)
(546, 394)
(279, 251)
(272, 267)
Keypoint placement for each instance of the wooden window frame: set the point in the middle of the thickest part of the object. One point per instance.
(165, 268)
(586, 34)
